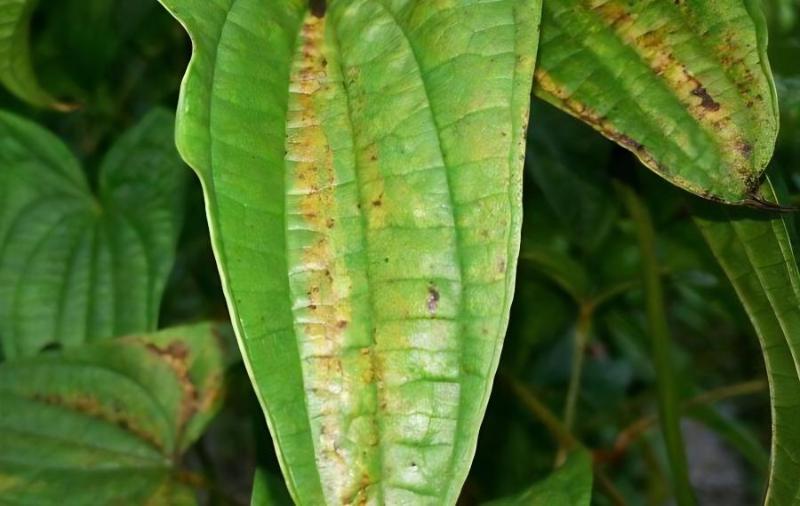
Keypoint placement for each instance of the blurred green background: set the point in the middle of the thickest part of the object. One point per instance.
(579, 275)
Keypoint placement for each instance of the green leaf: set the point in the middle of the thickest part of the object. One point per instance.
(563, 158)
(561, 270)
(569, 485)
(77, 266)
(106, 423)
(684, 85)
(268, 490)
(364, 196)
(755, 251)
(16, 70)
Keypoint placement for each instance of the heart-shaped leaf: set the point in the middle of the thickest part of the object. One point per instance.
(362, 163)
(106, 423)
(685, 85)
(77, 266)
(16, 70)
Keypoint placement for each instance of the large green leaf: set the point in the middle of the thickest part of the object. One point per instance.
(755, 251)
(569, 485)
(106, 423)
(77, 266)
(16, 70)
(685, 85)
(362, 167)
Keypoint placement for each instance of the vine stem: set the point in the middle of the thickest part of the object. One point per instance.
(637, 428)
(668, 402)
(563, 436)
(580, 342)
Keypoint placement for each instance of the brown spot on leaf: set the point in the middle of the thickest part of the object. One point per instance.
(90, 406)
(745, 148)
(176, 356)
(706, 102)
(317, 8)
(433, 299)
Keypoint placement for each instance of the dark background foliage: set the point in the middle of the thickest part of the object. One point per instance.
(579, 273)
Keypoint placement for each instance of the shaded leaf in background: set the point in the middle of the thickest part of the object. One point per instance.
(269, 490)
(563, 158)
(16, 69)
(685, 86)
(364, 195)
(76, 265)
(569, 485)
(106, 423)
(755, 251)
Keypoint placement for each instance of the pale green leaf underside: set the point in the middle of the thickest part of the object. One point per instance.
(569, 485)
(105, 423)
(363, 181)
(756, 253)
(16, 70)
(75, 266)
(685, 85)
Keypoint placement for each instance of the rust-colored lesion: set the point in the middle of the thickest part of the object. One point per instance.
(321, 282)
(713, 113)
(114, 414)
(583, 112)
(177, 356)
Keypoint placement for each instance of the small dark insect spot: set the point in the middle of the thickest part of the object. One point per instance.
(630, 143)
(433, 299)
(377, 203)
(341, 324)
(386, 260)
(330, 223)
(51, 347)
(706, 102)
(317, 8)
(312, 307)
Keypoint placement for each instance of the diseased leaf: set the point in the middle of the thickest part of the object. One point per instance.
(685, 85)
(16, 70)
(105, 423)
(363, 190)
(755, 251)
(569, 485)
(77, 266)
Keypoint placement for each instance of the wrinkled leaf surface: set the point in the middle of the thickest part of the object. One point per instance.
(685, 85)
(755, 251)
(78, 265)
(106, 422)
(362, 167)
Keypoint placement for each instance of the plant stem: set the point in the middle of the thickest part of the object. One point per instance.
(580, 341)
(566, 440)
(636, 429)
(669, 411)
(557, 429)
